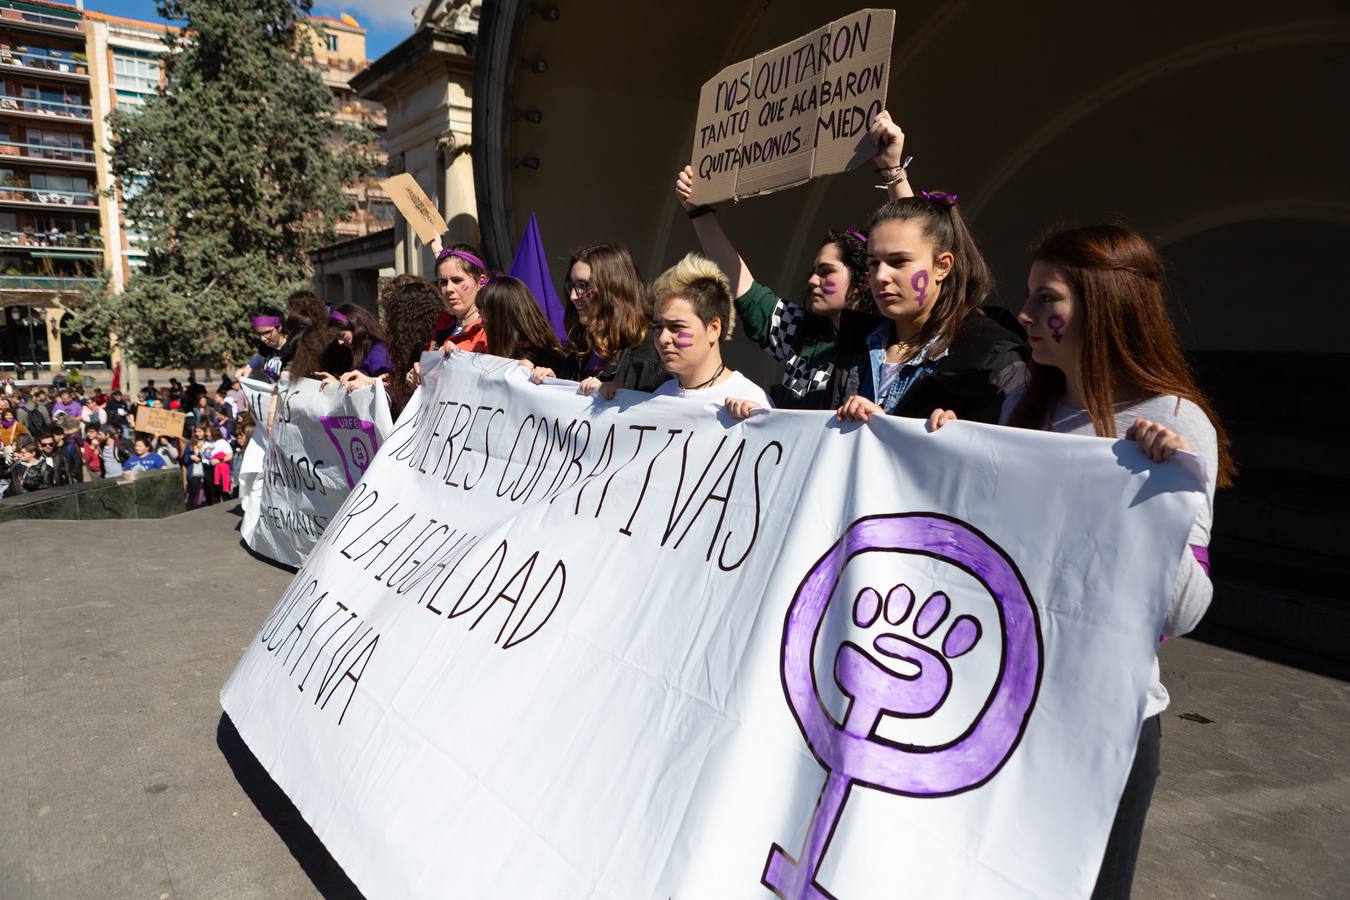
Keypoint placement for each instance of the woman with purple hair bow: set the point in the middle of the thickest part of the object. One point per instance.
(801, 336)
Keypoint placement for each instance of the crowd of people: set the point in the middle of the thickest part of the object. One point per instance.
(50, 437)
(890, 319)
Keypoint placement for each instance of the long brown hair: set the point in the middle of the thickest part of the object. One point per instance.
(622, 314)
(513, 320)
(969, 281)
(411, 306)
(365, 328)
(1130, 350)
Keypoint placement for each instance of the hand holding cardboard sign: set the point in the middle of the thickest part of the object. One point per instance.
(416, 207)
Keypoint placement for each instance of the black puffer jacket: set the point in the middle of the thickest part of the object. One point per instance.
(984, 363)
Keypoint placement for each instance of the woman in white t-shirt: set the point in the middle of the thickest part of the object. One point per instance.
(692, 300)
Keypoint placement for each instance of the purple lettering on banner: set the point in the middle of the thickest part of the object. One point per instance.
(852, 752)
(684, 340)
(920, 283)
(1056, 323)
(355, 441)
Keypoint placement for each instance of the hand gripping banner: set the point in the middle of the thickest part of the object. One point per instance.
(556, 647)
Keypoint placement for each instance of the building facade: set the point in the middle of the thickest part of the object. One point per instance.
(63, 223)
(52, 233)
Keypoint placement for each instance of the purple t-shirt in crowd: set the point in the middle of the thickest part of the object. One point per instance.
(69, 408)
(377, 361)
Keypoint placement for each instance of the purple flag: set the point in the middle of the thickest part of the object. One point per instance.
(531, 267)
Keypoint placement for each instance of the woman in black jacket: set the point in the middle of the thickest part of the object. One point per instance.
(933, 347)
(608, 318)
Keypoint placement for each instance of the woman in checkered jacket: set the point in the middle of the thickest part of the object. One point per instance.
(802, 337)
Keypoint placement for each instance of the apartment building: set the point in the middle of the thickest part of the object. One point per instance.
(63, 70)
(51, 229)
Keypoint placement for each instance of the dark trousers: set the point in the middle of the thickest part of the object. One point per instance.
(1127, 831)
(194, 488)
(212, 489)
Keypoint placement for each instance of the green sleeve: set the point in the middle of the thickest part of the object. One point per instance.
(754, 312)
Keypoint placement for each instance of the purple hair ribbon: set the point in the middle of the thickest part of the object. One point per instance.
(947, 200)
(265, 322)
(339, 318)
(461, 254)
(862, 238)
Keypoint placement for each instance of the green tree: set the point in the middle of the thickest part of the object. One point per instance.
(234, 171)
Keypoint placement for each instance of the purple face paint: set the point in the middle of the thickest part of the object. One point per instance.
(851, 751)
(684, 340)
(920, 283)
(1056, 323)
(828, 288)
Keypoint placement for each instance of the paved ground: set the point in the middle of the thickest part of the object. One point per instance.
(118, 777)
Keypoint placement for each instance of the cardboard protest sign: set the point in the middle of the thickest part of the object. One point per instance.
(557, 647)
(154, 420)
(423, 217)
(319, 443)
(795, 112)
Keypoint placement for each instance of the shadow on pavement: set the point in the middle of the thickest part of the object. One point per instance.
(281, 814)
(1237, 641)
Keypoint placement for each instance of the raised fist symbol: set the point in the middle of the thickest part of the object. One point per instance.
(906, 673)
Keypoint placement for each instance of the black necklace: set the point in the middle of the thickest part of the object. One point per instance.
(711, 381)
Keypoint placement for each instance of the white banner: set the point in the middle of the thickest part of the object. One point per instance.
(560, 648)
(315, 446)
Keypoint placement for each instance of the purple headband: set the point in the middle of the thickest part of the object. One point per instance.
(338, 317)
(462, 254)
(265, 322)
(947, 200)
(862, 238)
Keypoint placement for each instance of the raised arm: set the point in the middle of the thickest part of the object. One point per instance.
(714, 241)
(890, 161)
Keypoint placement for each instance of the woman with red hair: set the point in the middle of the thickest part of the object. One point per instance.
(1106, 362)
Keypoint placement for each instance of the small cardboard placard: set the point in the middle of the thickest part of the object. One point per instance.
(423, 217)
(153, 420)
(795, 112)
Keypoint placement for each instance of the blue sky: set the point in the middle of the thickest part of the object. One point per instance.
(386, 21)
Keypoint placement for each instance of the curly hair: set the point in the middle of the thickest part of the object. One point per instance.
(853, 252)
(622, 314)
(411, 305)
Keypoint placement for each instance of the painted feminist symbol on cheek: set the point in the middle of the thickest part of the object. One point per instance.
(684, 340)
(851, 750)
(1056, 323)
(828, 288)
(920, 283)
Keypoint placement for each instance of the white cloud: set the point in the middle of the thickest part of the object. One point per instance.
(393, 14)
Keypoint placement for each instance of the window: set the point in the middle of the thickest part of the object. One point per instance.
(134, 73)
(382, 210)
(330, 41)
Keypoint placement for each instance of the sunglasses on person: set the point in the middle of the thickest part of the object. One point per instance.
(46, 445)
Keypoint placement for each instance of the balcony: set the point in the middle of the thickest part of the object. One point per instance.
(47, 154)
(56, 244)
(24, 20)
(64, 66)
(46, 283)
(47, 197)
(45, 109)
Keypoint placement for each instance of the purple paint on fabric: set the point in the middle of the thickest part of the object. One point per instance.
(1056, 323)
(866, 608)
(530, 265)
(684, 340)
(356, 444)
(920, 276)
(1201, 555)
(899, 601)
(852, 751)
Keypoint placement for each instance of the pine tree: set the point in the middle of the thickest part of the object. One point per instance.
(234, 171)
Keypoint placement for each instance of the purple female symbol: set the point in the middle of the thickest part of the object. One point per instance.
(852, 752)
(1056, 323)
